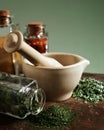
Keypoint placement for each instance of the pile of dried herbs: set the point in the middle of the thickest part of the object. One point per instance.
(54, 116)
(89, 89)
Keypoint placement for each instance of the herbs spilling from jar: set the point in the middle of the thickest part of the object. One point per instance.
(54, 116)
(89, 89)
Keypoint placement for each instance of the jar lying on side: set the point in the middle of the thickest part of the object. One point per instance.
(20, 96)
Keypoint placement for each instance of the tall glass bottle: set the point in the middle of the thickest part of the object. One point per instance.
(7, 61)
(36, 36)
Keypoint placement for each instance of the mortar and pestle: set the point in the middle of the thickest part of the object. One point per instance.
(57, 73)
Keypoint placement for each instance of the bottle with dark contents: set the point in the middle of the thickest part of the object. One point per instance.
(7, 61)
(37, 37)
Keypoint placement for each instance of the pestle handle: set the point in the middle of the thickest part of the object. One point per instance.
(14, 42)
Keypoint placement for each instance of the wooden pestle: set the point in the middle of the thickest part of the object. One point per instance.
(14, 42)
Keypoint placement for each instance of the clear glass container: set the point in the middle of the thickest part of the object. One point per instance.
(36, 36)
(8, 62)
(20, 96)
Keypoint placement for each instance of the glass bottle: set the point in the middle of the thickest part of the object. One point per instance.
(20, 96)
(8, 62)
(36, 36)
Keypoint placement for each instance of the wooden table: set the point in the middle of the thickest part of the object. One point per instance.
(90, 116)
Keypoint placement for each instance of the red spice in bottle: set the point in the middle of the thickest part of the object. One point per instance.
(36, 37)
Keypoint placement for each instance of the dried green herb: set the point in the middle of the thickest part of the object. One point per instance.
(89, 89)
(16, 97)
(12, 102)
(54, 116)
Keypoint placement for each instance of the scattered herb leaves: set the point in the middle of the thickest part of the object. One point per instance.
(89, 89)
(54, 116)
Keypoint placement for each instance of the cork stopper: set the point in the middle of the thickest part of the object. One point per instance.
(5, 18)
(35, 24)
(4, 13)
(35, 28)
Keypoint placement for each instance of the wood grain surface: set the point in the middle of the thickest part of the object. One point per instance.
(89, 116)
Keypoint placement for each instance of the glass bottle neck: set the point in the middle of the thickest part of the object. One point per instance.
(5, 21)
(37, 101)
(34, 100)
(4, 30)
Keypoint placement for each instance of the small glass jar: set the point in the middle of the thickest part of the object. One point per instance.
(20, 96)
(36, 36)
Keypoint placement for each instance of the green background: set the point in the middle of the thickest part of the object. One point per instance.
(74, 26)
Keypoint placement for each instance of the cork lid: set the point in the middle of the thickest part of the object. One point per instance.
(35, 24)
(35, 28)
(4, 13)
